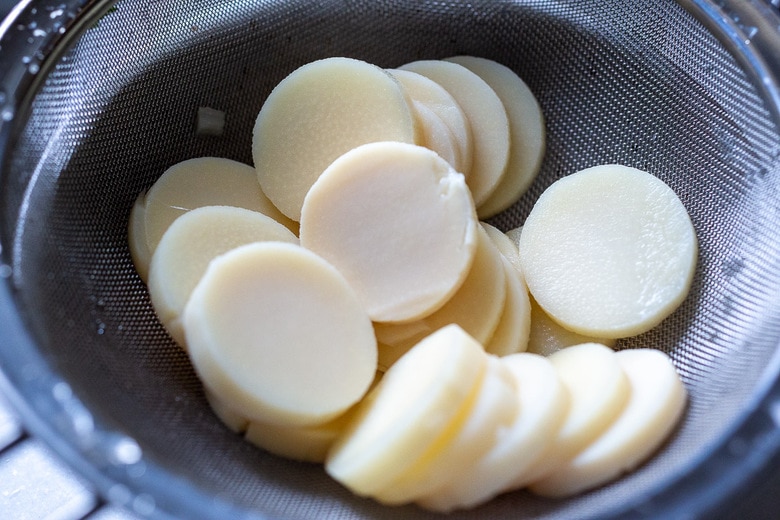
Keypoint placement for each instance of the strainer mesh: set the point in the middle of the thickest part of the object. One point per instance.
(638, 83)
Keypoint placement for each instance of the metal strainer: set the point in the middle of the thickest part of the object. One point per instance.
(98, 99)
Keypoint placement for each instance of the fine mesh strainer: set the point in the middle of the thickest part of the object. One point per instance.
(99, 98)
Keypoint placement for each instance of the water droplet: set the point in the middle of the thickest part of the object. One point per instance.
(119, 494)
(61, 30)
(101, 329)
(26, 59)
(144, 504)
(33, 68)
(54, 14)
(83, 424)
(5, 271)
(126, 451)
(62, 392)
(32, 25)
(7, 114)
(40, 33)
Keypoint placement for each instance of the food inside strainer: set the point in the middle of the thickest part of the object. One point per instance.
(448, 408)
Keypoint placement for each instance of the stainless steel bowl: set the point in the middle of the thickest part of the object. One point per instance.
(97, 99)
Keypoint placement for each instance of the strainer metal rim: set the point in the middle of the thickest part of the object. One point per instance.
(51, 412)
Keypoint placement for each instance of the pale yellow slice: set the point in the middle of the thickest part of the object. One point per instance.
(399, 224)
(436, 135)
(318, 112)
(514, 326)
(235, 421)
(136, 237)
(493, 410)
(543, 403)
(204, 181)
(433, 96)
(609, 251)
(190, 243)
(656, 404)
(427, 393)
(275, 332)
(526, 128)
(477, 307)
(599, 390)
(303, 443)
(546, 336)
(486, 115)
(506, 245)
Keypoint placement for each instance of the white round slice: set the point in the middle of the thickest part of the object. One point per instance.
(204, 181)
(136, 237)
(514, 326)
(486, 116)
(434, 97)
(318, 112)
(543, 403)
(190, 243)
(494, 408)
(657, 401)
(599, 391)
(419, 397)
(609, 251)
(526, 128)
(546, 336)
(477, 306)
(398, 222)
(277, 334)
(436, 136)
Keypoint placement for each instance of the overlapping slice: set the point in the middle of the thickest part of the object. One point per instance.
(426, 92)
(427, 392)
(485, 114)
(506, 245)
(599, 390)
(203, 181)
(278, 333)
(436, 135)
(494, 408)
(546, 336)
(543, 403)
(609, 251)
(318, 112)
(476, 307)
(235, 421)
(656, 402)
(136, 237)
(513, 329)
(526, 128)
(191, 242)
(399, 224)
